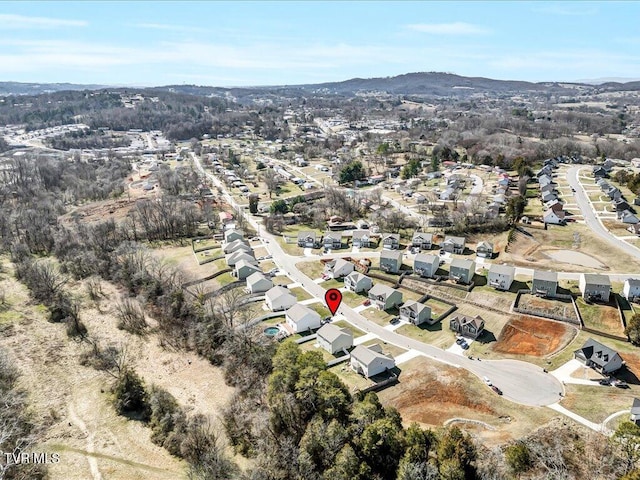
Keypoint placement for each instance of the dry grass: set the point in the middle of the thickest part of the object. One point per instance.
(602, 317)
(74, 401)
(431, 393)
(597, 403)
(549, 306)
(532, 336)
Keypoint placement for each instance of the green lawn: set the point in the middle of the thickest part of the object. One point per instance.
(597, 403)
(333, 283)
(208, 254)
(379, 316)
(344, 324)
(311, 269)
(205, 244)
(300, 293)
(438, 334)
(322, 311)
(387, 348)
(437, 307)
(350, 378)
(353, 299)
(601, 317)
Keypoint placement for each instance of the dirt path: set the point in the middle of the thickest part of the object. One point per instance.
(93, 464)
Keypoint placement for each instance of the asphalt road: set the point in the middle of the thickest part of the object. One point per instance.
(591, 219)
(520, 382)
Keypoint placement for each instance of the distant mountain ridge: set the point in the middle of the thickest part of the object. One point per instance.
(419, 83)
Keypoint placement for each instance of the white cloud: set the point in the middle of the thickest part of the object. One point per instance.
(9, 21)
(455, 28)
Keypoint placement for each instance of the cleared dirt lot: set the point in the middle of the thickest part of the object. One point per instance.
(548, 306)
(431, 393)
(532, 336)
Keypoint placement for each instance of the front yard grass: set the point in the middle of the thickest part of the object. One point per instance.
(435, 334)
(597, 402)
(311, 269)
(300, 293)
(344, 324)
(380, 317)
(602, 317)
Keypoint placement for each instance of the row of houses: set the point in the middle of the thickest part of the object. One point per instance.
(239, 255)
(554, 213)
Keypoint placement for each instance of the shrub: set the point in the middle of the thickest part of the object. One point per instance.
(130, 395)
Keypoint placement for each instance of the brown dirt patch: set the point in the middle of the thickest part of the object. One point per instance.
(550, 307)
(532, 336)
(431, 396)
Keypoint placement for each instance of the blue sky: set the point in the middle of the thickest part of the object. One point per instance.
(277, 43)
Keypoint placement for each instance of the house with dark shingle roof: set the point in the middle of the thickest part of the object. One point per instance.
(599, 357)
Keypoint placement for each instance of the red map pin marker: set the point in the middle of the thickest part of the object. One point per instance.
(333, 299)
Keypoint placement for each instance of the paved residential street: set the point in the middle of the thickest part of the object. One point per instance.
(590, 218)
(520, 382)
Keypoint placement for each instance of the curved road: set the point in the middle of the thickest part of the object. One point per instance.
(592, 220)
(520, 382)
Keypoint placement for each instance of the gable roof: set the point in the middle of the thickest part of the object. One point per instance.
(597, 352)
(454, 240)
(635, 407)
(502, 270)
(277, 292)
(545, 276)
(413, 305)
(596, 279)
(484, 245)
(257, 277)
(425, 258)
(299, 311)
(422, 236)
(356, 276)
(463, 263)
(331, 333)
(368, 355)
(381, 290)
(333, 235)
(244, 263)
(391, 255)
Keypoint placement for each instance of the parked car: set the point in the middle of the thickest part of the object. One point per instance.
(464, 345)
(459, 340)
(604, 381)
(394, 320)
(272, 272)
(487, 381)
(366, 303)
(496, 389)
(621, 384)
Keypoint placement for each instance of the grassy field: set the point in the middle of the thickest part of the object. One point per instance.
(205, 244)
(311, 269)
(604, 318)
(387, 348)
(322, 311)
(300, 293)
(353, 299)
(598, 402)
(350, 378)
(344, 324)
(438, 334)
(379, 316)
(437, 307)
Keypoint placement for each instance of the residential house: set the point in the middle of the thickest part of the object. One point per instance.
(614, 193)
(453, 244)
(426, 265)
(635, 411)
(554, 218)
(338, 268)
(448, 194)
(599, 172)
(471, 327)
(362, 224)
(231, 235)
(370, 361)
(390, 261)
(390, 241)
(634, 228)
(544, 180)
(279, 298)
(484, 250)
(462, 270)
(258, 283)
(236, 245)
(233, 258)
(608, 165)
(415, 312)
(544, 283)
(501, 277)
(631, 289)
(422, 240)
(334, 339)
(548, 197)
(419, 198)
(621, 205)
(636, 201)
(308, 240)
(549, 188)
(357, 282)
(384, 297)
(332, 240)
(599, 357)
(362, 239)
(300, 318)
(245, 268)
(594, 286)
(629, 218)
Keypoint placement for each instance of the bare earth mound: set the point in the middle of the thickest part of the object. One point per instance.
(532, 336)
(432, 395)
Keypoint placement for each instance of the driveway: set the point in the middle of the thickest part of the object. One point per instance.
(520, 382)
(590, 218)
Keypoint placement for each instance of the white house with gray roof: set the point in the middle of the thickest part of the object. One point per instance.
(338, 268)
(332, 240)
(258, 283)
(384, 297)
(422, 240)
(362, 239)
(231, 235)
(484, 250)
(426, 265)
(595, 286)
(239, 244)
(501, 277)
(631, 289)
(233, 258)
(453, 244)
(334, 339)
(461, 270)
(415, 312)
(357, 282)
(279, 298)
(390, 261)
(301, 318)
(599, 357)
(544, 283)
(370, 361)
